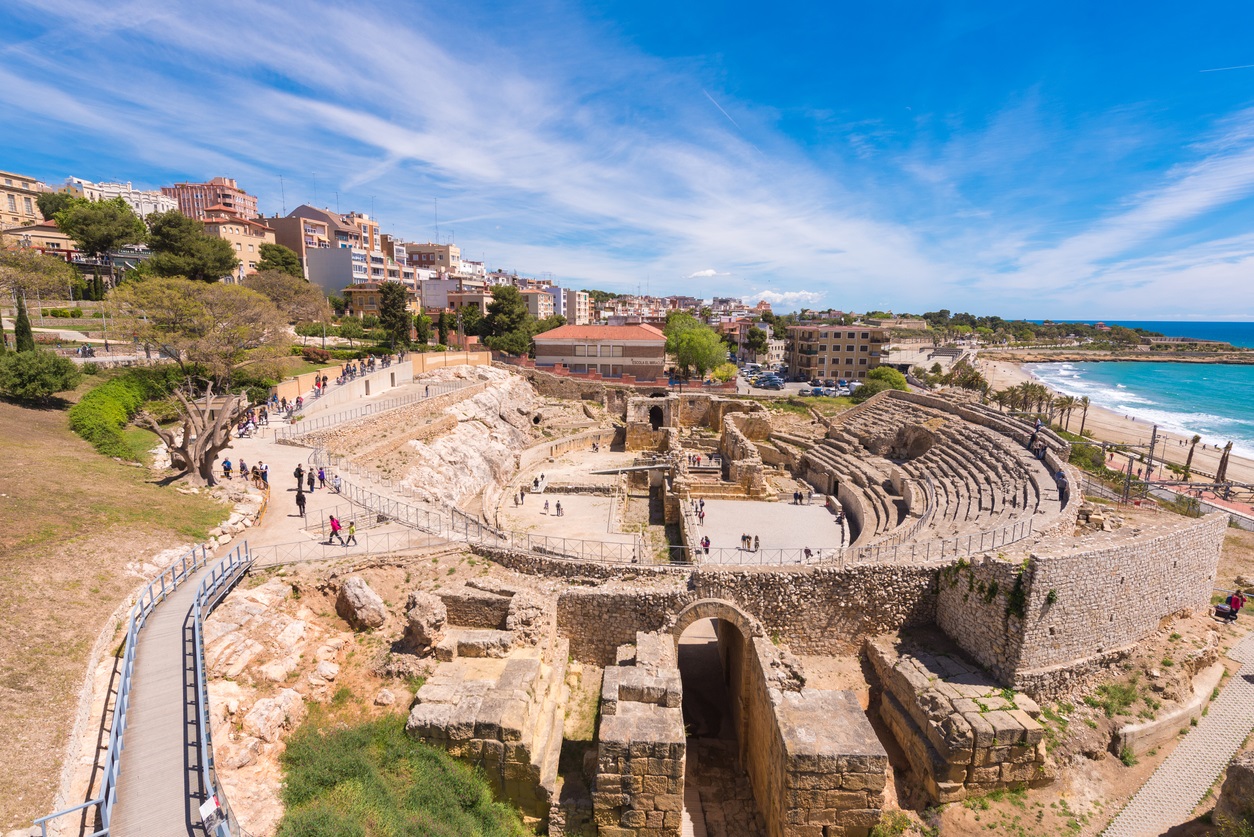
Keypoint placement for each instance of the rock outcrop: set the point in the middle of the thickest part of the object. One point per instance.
(425, 616)
(270, 717)
(1236, 798)
(360, 606)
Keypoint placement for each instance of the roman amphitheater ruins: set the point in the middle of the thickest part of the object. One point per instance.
(760, 605)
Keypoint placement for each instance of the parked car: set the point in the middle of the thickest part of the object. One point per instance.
(804, 391)
(830, 382)
(815, 382)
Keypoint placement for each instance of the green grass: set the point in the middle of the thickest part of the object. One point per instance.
(371, 780)
(1114, 698)
(140, 440)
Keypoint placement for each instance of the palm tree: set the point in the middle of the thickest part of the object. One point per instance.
(1188, 463)
(1084, 404)
(1065, 404)
(1026, 391)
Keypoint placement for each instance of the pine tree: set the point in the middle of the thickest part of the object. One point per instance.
(24, 337)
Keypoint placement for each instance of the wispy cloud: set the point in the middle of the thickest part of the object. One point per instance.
(606, 168)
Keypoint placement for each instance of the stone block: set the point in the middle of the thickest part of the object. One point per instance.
(633, 819)
(842, 800)
(1006, 727)
(864, 781)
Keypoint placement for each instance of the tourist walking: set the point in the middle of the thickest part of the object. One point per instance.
(300, 502)
(352, 533)
(1235, 602)
(701, 517)
(265, 474)
(756, 543)
(559, 508)
(322, 479)
(705, 544)
(226, 469)
(299, 473)
(335, 530)
(546, 506)
(309, 480)
(336, 483)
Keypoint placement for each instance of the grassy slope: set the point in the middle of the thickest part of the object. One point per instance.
(72, 521)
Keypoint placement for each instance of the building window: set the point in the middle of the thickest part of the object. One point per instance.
(616, 351)
(30, 209)
(862, 361)
(581, 351)
(866, 335)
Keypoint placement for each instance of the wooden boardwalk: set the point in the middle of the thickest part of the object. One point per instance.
(159, 790)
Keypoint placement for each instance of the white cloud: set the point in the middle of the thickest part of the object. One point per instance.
(708, 273)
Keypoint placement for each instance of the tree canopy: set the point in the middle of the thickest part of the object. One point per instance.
(756, 340)
(50, 203)
(394, 314)
(27, 271)
(298, 300)
(278, 257)
(889, 375)
(508, 326)
(100, 226)
(694, 344)
(181, 247)
(35, 376)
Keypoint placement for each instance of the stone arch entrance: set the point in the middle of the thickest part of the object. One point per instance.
(713, 649)
(655, 417)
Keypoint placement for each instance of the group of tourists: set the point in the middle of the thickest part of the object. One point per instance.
(1231, 607)
(320, 385)
(258, 474)
(250, 421)
(694, 459)
(337, 528)
(802, 497)
(558, 509)
(750, 543)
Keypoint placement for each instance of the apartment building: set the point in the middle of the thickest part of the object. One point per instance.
(833, 351)
(613, 351)
(17, 199)
(144, 201)
(195, 199)
(366, 298)
(539, 302)
(45, 237)
(245, 235)
(438, 293)
(442, 258)
(577, 307)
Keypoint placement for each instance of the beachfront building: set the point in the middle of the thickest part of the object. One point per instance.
(612, 351)
(144, 201)
(849, 352)
(17, 199)
(195, 199)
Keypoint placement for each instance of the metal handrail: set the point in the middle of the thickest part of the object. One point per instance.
(304, 426)
(152, 595)
(211, 590)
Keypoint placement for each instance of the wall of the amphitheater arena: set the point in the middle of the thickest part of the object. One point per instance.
(1083, 609)
(814, 610)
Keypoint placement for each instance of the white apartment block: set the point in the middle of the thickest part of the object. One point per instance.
(143, 201)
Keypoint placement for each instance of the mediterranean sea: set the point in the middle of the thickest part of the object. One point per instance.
(1213, 400)
(1238, 334)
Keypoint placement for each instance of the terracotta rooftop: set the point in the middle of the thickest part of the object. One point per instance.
(602, 332)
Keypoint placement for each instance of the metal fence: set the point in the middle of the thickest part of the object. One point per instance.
(303, 426)
(152, 595)
(212, 588)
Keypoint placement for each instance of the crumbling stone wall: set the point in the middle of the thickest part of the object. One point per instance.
(958, 729)
(813, 759)
(1038, 628)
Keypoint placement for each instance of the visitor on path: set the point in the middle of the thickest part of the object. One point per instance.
(352, 533)
(309, 480)
(336, 483)
(808, 553)
(335, 530)
(300, 502)
(559, 508)
(809, 496)
(744, 540)
(226, 469)
(702, 501)
(546, 506)
(265, 475)
(701, 517)
(256, 475)
(299, 473)
(1235, 602)
(522, 497)
(322, 479)
(705, 544)
(756, 543)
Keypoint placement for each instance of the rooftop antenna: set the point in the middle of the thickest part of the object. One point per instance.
(283, 194)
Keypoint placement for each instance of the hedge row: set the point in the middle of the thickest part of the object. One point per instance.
(103, 412)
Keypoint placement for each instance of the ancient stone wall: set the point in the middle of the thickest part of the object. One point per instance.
(814, 610)
(1065, 616)
(475, 608)
(813, 759)
(384, 425)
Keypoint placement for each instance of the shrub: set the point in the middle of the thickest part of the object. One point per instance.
(102, 413)
(76, 313)
(58, 313)
(371, 778)
(315, 355)
(34, 377)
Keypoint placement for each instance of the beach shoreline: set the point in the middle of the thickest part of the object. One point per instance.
(1109, 426)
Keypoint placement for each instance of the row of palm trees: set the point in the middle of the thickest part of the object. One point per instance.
(1031, 397)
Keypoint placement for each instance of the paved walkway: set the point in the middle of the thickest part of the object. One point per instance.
(159, 782)
(1180, 782)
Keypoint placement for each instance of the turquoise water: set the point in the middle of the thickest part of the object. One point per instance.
(1213, 400)
(1238, 334)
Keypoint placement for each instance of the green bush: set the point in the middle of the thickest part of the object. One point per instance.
(76, 313)
(314, 354)
(59, 313)
(102, 413)
(372, 779)
(34, 377)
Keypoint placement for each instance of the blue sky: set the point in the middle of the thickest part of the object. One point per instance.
(1049, 160)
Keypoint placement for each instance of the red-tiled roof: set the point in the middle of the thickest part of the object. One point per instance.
(603, 332)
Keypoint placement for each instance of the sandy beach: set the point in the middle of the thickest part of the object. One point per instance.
(1109, 426)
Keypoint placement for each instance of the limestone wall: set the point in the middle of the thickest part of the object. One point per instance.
(813, 610)
(1045, 627)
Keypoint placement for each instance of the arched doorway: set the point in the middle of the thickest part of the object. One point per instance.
(655, 417)
(712, 644)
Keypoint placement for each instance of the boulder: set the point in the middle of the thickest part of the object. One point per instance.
(327, 670)
(425, 616)
(269, 717)
(527, 617)
(384, 698)
(1236, 798)
(360, 606)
